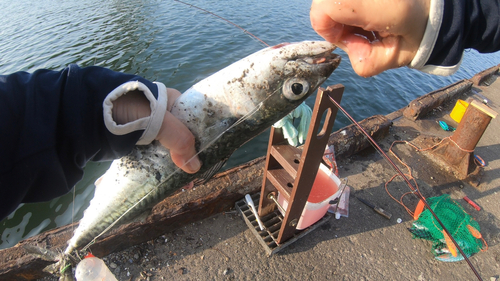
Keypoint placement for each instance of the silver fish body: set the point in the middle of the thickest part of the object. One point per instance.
(223, 112)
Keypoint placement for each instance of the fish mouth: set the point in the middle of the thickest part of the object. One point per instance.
(314, 53)
(326, 57)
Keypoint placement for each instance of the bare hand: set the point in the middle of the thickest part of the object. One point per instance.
(377, 35)
(173, 134)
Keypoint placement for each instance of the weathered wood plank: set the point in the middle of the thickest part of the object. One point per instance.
(424, 104)
(484, 75)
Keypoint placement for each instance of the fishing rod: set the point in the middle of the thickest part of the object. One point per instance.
(413, 189)
(373, 143)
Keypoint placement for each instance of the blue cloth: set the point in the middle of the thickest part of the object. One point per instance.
(296, 136)
(52, 125)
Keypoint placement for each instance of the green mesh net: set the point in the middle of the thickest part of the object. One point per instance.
(461, 225)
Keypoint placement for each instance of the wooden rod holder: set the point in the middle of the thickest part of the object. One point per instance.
(291, 171)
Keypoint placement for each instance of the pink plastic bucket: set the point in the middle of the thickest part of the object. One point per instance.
(325, 188)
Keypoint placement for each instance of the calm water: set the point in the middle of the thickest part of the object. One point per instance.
(177, 45)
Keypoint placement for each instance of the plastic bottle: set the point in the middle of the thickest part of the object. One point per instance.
(92, 268)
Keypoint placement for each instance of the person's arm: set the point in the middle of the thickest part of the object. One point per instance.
(53, 122)
(454, 26)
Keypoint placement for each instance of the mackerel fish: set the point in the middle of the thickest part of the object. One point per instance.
(223, 112)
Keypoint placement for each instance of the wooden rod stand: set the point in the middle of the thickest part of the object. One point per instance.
(292, 172)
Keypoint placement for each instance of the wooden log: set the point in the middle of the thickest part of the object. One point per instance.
(483, 76)
(424, 104)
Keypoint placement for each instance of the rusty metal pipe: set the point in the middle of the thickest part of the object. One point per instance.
(458, 151)
(471, 128)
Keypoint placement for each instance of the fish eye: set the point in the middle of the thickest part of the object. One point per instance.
(295, 88)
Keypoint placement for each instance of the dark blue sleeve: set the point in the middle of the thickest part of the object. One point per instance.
(466, 24)
(51, 124)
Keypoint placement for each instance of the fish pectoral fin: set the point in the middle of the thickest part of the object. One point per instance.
(210, 173)
(42, 253)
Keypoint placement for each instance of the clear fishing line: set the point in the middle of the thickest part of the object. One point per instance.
(178, 169)
(257, 107)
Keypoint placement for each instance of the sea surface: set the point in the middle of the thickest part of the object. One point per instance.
(178, 45)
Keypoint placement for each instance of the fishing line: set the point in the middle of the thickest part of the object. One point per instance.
(73, 211)
(226, 20)
(413, 189)
(74, 188)
(372, 142)
(178, 169)
(116, 221)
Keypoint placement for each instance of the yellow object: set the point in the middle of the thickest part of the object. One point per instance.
(458, 111)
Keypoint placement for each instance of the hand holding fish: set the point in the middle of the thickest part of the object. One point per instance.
(222, 111)
(377, 35)
(174, 135)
